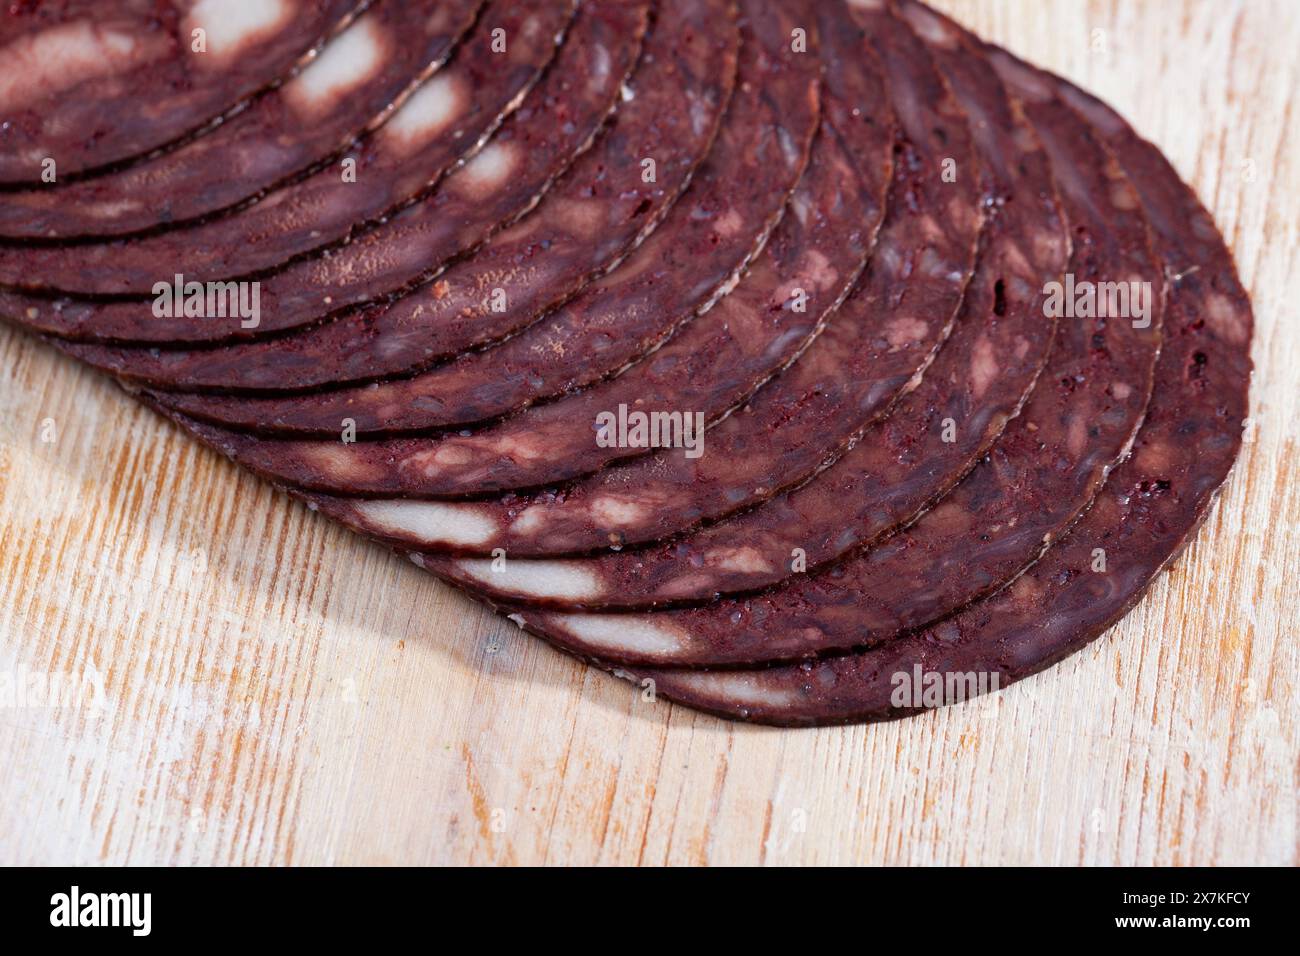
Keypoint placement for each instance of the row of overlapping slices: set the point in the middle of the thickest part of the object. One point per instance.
(809, 363)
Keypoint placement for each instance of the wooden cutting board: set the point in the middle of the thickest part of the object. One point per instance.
(259, 686)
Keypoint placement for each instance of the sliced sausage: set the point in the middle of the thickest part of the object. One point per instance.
(714, 235)
(613, 322)
(87, 85)
(750, 330)
(354, 85)
(284, 222)
(803, 273)
(867, 356)
(678, 96)
(1145, 516)
(1050, 462)
(905, 461)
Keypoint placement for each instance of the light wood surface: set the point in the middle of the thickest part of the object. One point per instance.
(274, 690)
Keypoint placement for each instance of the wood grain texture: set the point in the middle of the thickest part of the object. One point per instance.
(277, 691)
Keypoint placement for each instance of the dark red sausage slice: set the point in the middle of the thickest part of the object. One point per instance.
(284, 223)
(1044, 471)
(678, 96)
(723, 355)
(353, 86)
(802, 274)
(1147, 513)
(715, 230)
(610, 325)
(852, 371)
(88, 84)
(1022, 504)
(903, 462)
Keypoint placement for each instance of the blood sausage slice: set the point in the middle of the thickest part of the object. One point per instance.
(861, 363)
(730, 210)
(353, 86)
(1046, 468)
(802, 274)
(679, 93)
(285, 222)
(812, 262)
(87, 84)
(1146, 514)
(906, 460)
(614, 321)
